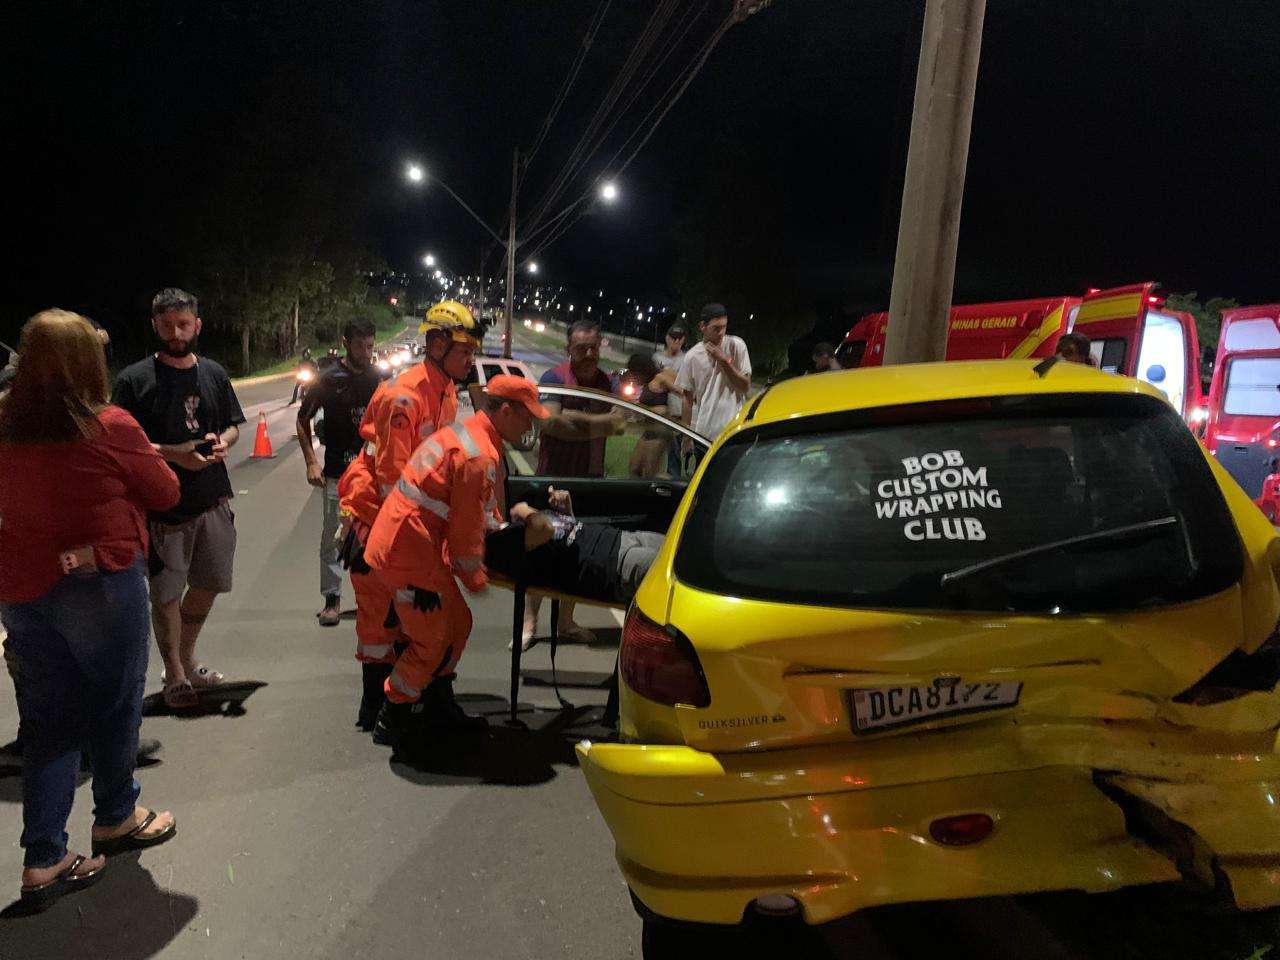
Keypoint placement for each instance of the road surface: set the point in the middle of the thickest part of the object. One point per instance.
(300, 838)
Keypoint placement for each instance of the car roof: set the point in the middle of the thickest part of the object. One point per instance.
(871, 387)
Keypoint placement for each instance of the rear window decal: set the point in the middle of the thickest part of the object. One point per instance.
(937, 483)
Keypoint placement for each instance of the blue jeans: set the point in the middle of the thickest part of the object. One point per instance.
(82, 662)
(330, 565)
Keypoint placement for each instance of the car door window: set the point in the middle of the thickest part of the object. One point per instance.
(492, 370)
(639, 446)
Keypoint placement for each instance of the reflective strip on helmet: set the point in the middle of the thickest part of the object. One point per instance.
(438, 507)
(469, 564)
(398, 682)
(404, 596)
(469, 445)
(428, 454)
(376, 650)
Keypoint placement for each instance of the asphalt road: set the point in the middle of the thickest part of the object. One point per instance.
(300, 838)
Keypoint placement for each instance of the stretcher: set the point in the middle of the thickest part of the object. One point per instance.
(521, 591)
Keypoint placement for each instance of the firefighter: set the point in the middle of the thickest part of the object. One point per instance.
(431, 529)
(402, 413)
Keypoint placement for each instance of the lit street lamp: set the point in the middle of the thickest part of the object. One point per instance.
(428, 261)
(608, 191)
(415, 173)
(533, 267)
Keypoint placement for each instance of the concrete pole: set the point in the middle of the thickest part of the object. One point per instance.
(511, 251)
(929, 225)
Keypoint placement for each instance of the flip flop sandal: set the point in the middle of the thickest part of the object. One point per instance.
(133, 840)
(41, 896)
(181, 696)
(202, 678)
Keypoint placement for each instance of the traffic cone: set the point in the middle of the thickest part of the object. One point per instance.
(262, 443)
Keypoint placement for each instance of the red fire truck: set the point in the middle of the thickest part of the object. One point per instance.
(1243, 426)
(1131, 333)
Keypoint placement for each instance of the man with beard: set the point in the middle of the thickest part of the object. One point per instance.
(190, 414)
(342, 392)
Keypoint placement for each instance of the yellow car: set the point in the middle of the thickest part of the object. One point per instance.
(945, 631)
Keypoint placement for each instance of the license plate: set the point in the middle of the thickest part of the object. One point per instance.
(876, 708)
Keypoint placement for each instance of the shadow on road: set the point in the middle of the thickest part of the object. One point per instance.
(521, 755)
(126, 916)
(225, 700)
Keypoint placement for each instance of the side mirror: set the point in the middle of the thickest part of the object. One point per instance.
(1155, 373)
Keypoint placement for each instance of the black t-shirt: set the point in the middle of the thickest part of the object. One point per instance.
(582, 558)
(174, 406)
(342, 394)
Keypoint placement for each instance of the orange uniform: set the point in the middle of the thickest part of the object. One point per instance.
(402, 413)
(430, 530)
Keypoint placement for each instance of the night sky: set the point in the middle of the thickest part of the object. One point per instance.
(1112, 142)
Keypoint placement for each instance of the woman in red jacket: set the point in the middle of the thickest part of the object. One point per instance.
(79, 476)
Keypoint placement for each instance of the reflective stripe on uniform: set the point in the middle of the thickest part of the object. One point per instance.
(469, 564)
(469, 445)
(371, 448)
(438, 507)
(399, 684)
(428, 454)
(378, 650)
(384, 490)
(404, 596)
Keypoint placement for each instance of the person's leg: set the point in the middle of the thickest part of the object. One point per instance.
(636, 552)
(109, 645)
(377, 632)
(571, 630)
(330, 567)
(212, 562)
(532, 607)
(50, 703)
(173, 545)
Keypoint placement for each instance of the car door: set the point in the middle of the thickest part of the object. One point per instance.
(634, 489)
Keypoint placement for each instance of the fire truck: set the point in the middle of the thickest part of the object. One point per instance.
(1130, 330)
(1243, 418)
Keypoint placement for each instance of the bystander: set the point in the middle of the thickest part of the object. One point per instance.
(190, 412)
(79, 475)
(342, 392)
(715, 376)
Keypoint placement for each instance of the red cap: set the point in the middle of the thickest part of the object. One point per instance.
(520, 390)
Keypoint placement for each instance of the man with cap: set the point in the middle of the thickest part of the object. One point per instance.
(431, 529)
(400, 415)
(715, 376)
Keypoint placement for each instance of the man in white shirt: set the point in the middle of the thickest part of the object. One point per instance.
(715, 376)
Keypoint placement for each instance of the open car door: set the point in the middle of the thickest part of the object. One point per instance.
(638, 474)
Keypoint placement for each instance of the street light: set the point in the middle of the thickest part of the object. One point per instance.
(533, 267)
(415, 173)
(428, 261)
(608, 191)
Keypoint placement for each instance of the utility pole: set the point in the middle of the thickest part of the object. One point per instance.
(929, 226)
(511, 251)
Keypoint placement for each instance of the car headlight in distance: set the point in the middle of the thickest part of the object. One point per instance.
(539, 327)
(383, 365)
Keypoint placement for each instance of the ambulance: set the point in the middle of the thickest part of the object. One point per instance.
(1130, 330)
(1243, 425)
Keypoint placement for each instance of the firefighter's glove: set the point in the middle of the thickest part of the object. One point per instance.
(351, 554)
(425, 600)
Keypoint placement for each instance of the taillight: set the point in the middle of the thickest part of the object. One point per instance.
(660, 664)
(1240, 673)
(962, 830)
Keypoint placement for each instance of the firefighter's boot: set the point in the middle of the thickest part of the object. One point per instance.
(441, 710)
(372, 697)
(397, 722)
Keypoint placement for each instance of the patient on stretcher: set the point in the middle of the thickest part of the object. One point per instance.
(553, 549)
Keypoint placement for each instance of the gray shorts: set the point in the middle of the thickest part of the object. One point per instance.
(198, 553)
(636, 552)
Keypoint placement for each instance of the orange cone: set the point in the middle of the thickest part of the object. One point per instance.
(262, 443)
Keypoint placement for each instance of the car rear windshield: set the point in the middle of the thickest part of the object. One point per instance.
(1049, 504)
